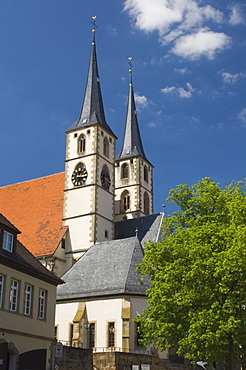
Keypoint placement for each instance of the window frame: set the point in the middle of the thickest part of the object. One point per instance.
(8, 245)
(106, 147)
(14, 295)
(125, 171)
(146, 204)
(92, 335)
(2, 282)
(125, 201)
(146, 173)
(28, 298)
(42, 304)
(81, 144)
(111, 334)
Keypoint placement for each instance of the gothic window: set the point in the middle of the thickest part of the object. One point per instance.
(106, 147)
(146, 175)
(124, 171)
(81, 144)
(92, 335)
(146, 203)
(111, 330)
(125, 201)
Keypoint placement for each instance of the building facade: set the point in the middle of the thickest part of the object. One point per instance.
(27, 305)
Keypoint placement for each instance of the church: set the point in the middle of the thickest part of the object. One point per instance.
(89, 225)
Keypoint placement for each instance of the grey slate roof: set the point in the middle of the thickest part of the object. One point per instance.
(132, 144)
(107, 268)
(148, 228)
(92, 109)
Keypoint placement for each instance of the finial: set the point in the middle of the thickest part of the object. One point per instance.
(94, 23)
(130, 64)
(136, 231)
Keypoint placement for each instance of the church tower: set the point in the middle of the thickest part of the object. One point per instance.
(133, 171)
(89, 170)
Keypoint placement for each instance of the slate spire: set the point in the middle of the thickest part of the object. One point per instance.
(92, 111)
(132, 144)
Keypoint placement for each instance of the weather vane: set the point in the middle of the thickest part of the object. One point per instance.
(94, 22)
(130, 63)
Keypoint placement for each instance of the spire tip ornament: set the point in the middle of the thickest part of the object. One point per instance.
(130, 64)
(94, 23)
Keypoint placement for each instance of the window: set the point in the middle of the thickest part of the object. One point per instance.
(124, 171)
(8, 241)
(146, 175)
(81, 144)
(106, 234)
(125, 201)
(106, 147)
(1, 289)
(111, 330)
(42, 304)
(146, 203)
(92, 335)
(14, 292)
(28, 300)
(71, 327)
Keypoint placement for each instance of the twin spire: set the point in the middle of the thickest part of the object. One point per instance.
(92, 111)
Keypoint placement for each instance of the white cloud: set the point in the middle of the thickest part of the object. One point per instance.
(236, 15)
(230, 78)
(204, 42)
(182, 71)
(242, 115)
(179, 90)
(180, 21)
(141, 100)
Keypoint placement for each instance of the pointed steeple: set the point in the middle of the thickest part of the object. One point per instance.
(132, 144)
(92, 111)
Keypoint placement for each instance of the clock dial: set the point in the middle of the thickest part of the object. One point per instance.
(79, 176)
(105, 179)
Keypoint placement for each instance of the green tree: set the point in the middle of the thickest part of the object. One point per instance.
(197, 298)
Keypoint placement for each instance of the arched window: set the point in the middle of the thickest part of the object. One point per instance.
(124, 171)
(146, 203)
(146, 175)
(125, 201)
(106, 147)
(81, 144)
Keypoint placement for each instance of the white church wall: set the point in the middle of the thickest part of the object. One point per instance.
(102, 312)
(65, 313)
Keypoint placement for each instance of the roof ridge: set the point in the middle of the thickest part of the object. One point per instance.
(39, 178)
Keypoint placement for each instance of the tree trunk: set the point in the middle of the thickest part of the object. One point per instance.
(228, 360)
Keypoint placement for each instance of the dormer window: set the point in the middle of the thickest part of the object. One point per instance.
(8, 241)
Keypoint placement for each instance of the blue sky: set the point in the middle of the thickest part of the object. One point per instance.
(189, 75)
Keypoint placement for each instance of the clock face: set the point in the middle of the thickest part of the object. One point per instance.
(79, 176)
(105, 179)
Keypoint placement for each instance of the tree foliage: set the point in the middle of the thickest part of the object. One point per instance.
(197, 298)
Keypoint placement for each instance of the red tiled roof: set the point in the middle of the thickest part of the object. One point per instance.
(36, 208)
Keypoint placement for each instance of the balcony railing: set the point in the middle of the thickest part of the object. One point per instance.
(109, 349)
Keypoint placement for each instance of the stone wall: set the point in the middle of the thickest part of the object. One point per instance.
(124, 361)
(74, 359)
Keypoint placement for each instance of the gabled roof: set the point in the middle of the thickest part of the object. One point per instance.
(107, 268)
(22, 260)
(36, 208)
(92, 111)
(146, 227)
(132, 144)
